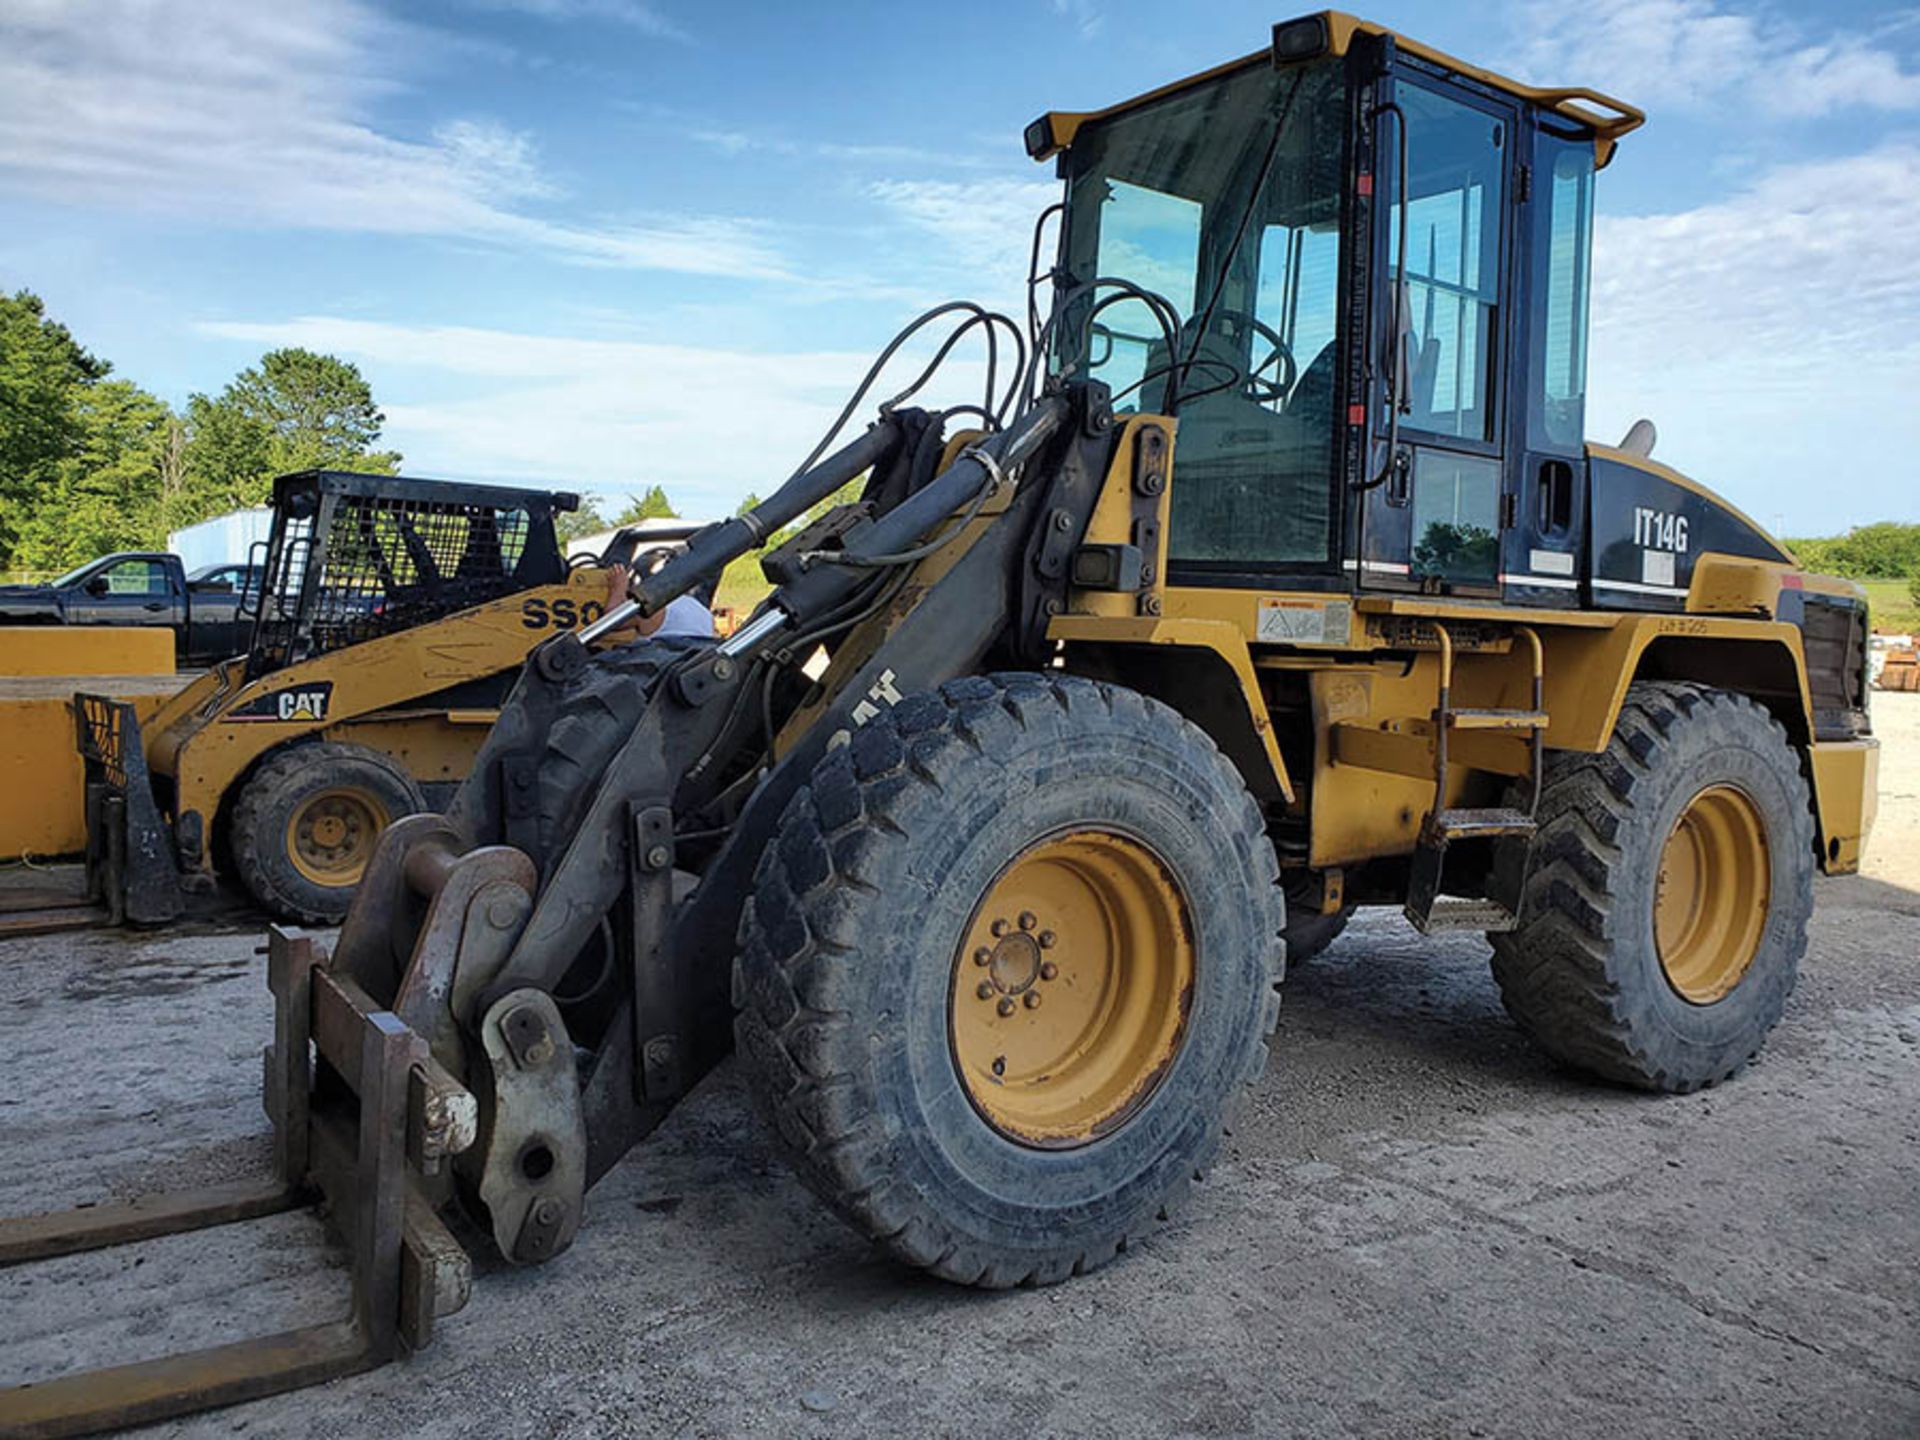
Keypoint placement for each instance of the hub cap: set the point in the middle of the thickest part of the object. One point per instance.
(1071, 989)
(1711, 896)
(331, 834)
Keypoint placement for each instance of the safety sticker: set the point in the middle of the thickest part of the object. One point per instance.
(1304, 622)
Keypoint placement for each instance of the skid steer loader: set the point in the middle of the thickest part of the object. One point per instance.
(390, 624)
(1276, 580)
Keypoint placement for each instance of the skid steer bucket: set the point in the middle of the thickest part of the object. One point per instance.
(364, 1120)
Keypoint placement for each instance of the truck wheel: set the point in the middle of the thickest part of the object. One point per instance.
(306, 824)
(1665, 916)
(1009, 955)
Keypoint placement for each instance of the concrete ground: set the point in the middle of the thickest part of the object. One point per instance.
(1421, 1227)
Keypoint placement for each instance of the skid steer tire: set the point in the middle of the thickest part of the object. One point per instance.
(306, 824)
(1665, 915)
(866, 937)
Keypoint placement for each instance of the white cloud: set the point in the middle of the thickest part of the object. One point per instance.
(980, 233)
(1774, 337)
(630, 13)
(740, 142)
(1685, 54)
(240, 113)
(602, 415)
(1085, 16)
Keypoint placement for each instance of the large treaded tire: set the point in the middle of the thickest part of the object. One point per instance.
(848, 947)
(1582, 974)
(593, 716)
(278, 786)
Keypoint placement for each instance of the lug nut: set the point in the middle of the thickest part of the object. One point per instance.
(999, 928)
(984, 990)
(1006, 1005)
(1028, 919)
(1048, 939)
(1033, 999)
(982, 956)
(1049, 971)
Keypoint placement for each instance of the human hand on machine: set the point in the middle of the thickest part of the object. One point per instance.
(682, 615)
(636, 626)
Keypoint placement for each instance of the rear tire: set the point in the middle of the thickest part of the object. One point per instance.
(960, 824)
(306, 824)
(1665, 916)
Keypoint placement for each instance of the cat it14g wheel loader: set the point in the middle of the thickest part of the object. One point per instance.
(1277, 579)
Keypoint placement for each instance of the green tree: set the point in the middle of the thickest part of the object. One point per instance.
(653, 505)
(295, 410)
(751, 502)
(1886, 550)
(106, 493)
(42, 371)
(587, 520)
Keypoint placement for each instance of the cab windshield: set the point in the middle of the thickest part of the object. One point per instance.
(1224, 201)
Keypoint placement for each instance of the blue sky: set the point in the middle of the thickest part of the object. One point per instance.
(606, 243)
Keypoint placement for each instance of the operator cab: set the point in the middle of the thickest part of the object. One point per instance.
(1368, 391)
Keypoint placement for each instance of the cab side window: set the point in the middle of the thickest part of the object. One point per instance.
(1558, 411)
(136, 577)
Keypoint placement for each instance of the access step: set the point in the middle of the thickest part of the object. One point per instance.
(1497, 719)
(1430, 911)
(1445, 825)
(1452, 914)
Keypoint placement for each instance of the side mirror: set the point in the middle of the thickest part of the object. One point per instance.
(98, 586)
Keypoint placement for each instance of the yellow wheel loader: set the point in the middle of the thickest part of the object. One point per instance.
(390, 624)
(1273, 577)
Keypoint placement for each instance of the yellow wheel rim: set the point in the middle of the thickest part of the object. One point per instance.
(331, 834)
(1071, 989)
(1710, 900)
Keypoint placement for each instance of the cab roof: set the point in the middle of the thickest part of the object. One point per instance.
(1332, 32)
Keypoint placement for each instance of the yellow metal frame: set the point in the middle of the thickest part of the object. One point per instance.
(1371, 682)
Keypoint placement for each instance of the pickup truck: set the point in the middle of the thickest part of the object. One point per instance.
(205, 611)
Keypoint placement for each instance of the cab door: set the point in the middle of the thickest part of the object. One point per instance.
(1436, 508)
(137, 591)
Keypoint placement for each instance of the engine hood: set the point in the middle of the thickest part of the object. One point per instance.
(34, 598)
(1650, 524)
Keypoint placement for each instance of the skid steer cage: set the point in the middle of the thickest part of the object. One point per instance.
(363, 1119)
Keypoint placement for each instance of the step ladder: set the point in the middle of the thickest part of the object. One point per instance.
(1511, 830)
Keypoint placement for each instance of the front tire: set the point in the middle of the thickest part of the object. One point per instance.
(306, 824)
(1009, 955)
(1665, 915)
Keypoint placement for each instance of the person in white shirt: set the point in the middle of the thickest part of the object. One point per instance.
(683, 615)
